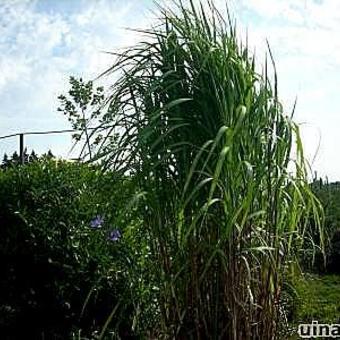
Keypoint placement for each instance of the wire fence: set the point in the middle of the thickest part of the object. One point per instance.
(22, 137)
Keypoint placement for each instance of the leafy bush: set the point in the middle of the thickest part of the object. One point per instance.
(61, 271)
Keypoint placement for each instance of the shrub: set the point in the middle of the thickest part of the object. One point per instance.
(58, 272)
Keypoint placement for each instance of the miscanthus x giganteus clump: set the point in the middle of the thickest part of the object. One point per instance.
(226, 205)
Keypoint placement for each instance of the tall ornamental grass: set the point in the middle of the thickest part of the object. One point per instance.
(219, 174)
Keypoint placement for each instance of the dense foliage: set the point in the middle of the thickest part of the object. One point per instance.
(59, 270)
(329, 195)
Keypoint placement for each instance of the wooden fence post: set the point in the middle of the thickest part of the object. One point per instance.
(21, 151)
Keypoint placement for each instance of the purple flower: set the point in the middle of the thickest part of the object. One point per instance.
(97, 222)
(115, 235)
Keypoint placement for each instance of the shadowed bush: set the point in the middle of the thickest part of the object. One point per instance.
(58, 273)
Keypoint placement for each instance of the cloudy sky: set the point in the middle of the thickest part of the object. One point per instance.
(43, 42)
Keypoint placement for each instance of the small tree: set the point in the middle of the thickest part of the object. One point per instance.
(81, 105)
(5, 161)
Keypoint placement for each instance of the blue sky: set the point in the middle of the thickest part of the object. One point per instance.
(43, 42)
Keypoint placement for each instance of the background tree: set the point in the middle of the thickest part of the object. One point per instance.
(15, 159)
(82, 105)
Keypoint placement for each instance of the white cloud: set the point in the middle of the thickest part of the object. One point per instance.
(40, 49)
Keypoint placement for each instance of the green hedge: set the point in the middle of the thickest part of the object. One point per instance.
(59, 273)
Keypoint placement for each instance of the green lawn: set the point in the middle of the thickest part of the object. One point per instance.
(318, 299)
